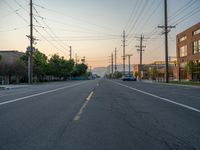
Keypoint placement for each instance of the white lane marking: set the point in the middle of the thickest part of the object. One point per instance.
(97, 84)
(161, 98)
(38, 94)
(90, 95)
(78, 115)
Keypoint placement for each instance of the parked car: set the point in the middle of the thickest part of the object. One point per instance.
(127, 78)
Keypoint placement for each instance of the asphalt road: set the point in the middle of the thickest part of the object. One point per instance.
(100, 115)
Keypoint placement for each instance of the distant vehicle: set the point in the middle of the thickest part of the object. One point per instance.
(127, 78)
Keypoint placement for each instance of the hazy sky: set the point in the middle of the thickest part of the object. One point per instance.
(94, 27)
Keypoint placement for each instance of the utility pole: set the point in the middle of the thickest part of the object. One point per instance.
(70, 52)
(124, 57)
(115, 59)
(141, 46)
(83, 60)
(90, 68)
(166, 30)
(76, 59)
(112, 65)
(30, 50)
(129, 64)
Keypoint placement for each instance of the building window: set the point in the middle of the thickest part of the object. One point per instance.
(182, 39)
(196, 32)
(196, 47)
(183, 51)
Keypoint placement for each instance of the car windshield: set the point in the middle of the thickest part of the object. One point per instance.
(100, 75)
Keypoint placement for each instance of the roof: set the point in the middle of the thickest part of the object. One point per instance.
(10, 56)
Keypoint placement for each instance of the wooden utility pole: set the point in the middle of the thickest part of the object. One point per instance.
(124, 57)
(166, 43)
(141, 46)
(30, 50)
(129, 64)
(115, 59)
(76, 59)
(70, 52)
(112, 65)
(166, 30)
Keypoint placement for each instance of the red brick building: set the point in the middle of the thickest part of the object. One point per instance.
(188, 49)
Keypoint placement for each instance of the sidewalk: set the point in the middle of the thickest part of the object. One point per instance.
(173, 84)
(12, 86)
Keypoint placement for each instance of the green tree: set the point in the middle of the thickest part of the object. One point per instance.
(66, 67)
(59, 67)
(39, 65)
(53, 65)
(79, 70)
(190, 67)
(117, 75)
(154, 73)
(136, 74)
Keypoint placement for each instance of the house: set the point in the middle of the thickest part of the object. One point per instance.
(7, 66)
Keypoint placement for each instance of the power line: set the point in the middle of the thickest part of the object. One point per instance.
(76, 26)
(183, 18)
(16, 12)
(21, 6)
(14, 29)
(131, 16)
(12, 12)
(84, 39)
(48, 40)
(80, 20)
(179, 11)
(140, 13)
(143, 16)
(47, 31)
(138, 20)
(150, 15)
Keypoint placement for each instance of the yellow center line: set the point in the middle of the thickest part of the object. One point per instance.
(78, 115)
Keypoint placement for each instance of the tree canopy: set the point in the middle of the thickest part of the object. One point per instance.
(45, 69)
(59, 67)
(79, 69)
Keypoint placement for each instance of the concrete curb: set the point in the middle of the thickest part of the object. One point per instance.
(8, 87)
